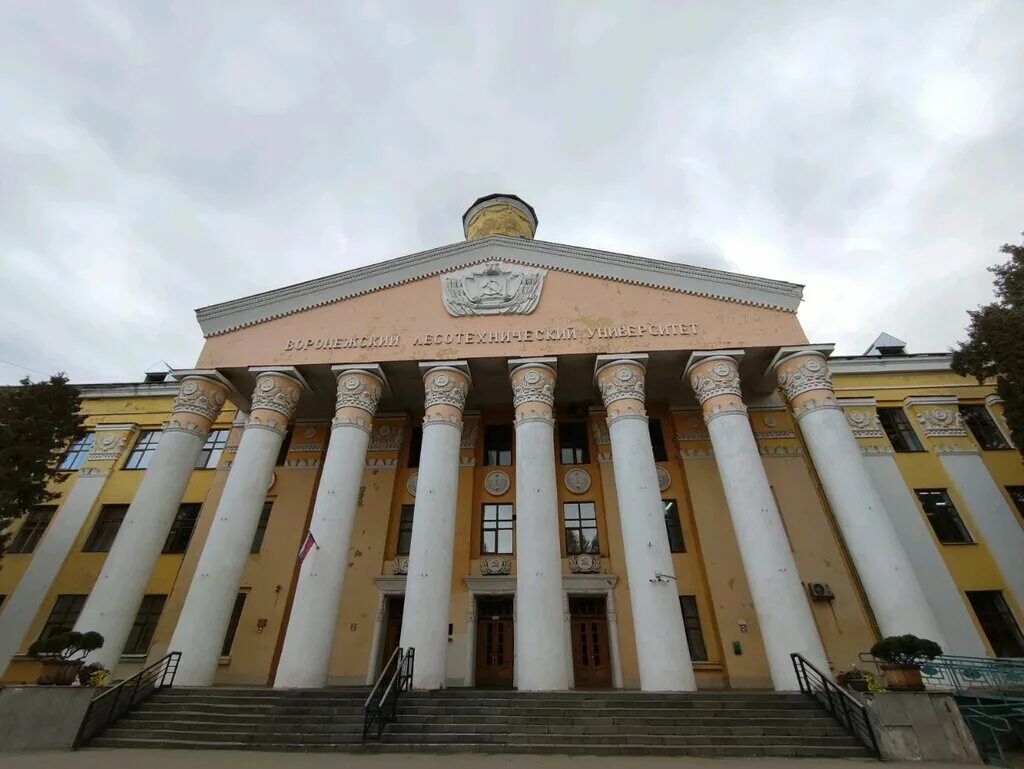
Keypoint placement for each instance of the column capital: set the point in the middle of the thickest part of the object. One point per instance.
(276, 395)
(802, 373)
(199, 400)
(359, 391)
(715, 378)
(533, 387)
(446, 385)
(621, 380)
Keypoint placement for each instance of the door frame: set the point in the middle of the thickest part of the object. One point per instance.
(387, 586)
(487, 586)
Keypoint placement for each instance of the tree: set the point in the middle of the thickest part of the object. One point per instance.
(38, 421)
(995, 344)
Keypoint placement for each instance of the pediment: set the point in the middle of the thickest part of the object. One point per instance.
(634, 270)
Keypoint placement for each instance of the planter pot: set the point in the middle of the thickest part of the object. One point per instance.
(58, 673)
(857, 685)
(903, 678)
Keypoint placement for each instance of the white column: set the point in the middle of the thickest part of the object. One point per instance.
(894, 593)
(20, 609)
(199, 634)
(540, 627)
(780, 600)
(429, 583)
(661, 647)
(115, 598)
(306, 653)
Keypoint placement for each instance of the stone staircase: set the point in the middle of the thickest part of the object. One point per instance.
(709, 723)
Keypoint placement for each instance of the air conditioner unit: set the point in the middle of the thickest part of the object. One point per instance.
(820, 591)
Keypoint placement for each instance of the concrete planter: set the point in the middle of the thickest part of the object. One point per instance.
(902, 678)
(42, 717)
(58, 672)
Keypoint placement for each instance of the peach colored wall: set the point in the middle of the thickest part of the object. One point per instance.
(568, 301)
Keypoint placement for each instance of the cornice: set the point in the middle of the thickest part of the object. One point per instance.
(698, 281)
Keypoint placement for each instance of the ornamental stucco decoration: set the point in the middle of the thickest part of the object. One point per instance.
(533, 386)
(355, 392)
(446, 390)
(410, 485)
(494, 288)
(601, 436)
(386, 437)
(720, 379)
(109, 446)
(623, 384)
(577, 481)
(495, 565)
(941, 420)
(864, 424)
(585, 563)
(202, 401)
(497, 482)
(276, 394)
(809, 374)
(400, 565)
(664, 479)
(470, 431)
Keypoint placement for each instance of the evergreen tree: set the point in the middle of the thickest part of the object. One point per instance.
(38, 421)
(995, 344)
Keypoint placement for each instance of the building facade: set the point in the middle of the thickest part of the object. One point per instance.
(541, 466)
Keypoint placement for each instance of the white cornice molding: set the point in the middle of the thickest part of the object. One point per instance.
(699, 281)
(864, 364)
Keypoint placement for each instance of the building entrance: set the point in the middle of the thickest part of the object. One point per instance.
(495, 642)
(591, 662)
(393, 627)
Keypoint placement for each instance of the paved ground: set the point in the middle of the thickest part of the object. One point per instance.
(194, 759)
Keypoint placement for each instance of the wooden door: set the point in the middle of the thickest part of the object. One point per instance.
(591, 662)
(495, 642)
(393, 627)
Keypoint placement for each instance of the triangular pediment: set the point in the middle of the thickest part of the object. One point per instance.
(698, 281)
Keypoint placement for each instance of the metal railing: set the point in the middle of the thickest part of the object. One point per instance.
(382, 704)
(114, 702)
(967, 675)
(843, 707)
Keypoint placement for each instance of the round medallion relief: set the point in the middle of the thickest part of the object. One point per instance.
(532, 377)
(107, 441)
(384, 430)
(813, 365)
(267, 385)
(770, 421)
(624, 374)
(858, 417)
(721, 369)
(352, 383)
(497, 482)
(410, 485)
(664, 479)
(441, 380)
(310, 432)
(273, 480)
(577, 480)
(189, 388)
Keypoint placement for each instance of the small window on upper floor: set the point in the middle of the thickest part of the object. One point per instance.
(77, 452)
(32, 529)
(997, 621)
(261, 527)
(498, 445)
(209, 456)
(405, 530)
(104, 531)
(286, 443)
(984, 428)
(943, 517)
(415, 444)
(572, 443)
(898, 428)
(673, 526)
(496, 530)
(657, 440)
(143, 450)
(181, 529)
(1017, 496)
(63, 615)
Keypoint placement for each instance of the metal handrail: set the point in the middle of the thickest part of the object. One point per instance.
(114, 702)
(377, 711)
(841, 704)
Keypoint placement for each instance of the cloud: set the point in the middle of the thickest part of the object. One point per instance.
(159, 158)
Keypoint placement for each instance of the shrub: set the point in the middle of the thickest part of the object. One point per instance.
(905, 650)
(65, 646)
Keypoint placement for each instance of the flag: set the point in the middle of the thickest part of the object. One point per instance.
(308, 544)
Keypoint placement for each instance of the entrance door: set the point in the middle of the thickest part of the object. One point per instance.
(495, 642)
(393, 627)
(591, 662)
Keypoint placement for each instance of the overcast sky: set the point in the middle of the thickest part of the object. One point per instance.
(158, 157)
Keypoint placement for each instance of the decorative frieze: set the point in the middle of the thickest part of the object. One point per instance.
(864, 424)
(780, 451)
(446, 389)
(495, 565)
(381, 463)
(537, 385)
(624, 383)
(470, 432)
(722, 378)
(360, 391)
(400, 565)
(107, 445)
(386, 437)
(585, 563)
(941, 421)
(495, 288)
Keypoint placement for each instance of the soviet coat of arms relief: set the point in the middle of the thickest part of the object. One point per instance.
(494, 288)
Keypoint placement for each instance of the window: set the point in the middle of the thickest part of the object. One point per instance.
(580, 528)
(212, 449)
(286, 442)
(674, 527)
(997, 621)
(983, 427)
(498, 445)
(63, 616)
(236, 615)
(1017, 495)
(261, 527)
(496, 532)
(415, 444)
(657, 440)
(145, 624)
(108, 523)
(32, 529)
(572, 443)
(77, 452)
(898, 428)
(694, 635)
(943, 516)
(405, 530)
(181, 530)
(142, 451)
